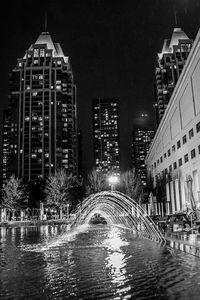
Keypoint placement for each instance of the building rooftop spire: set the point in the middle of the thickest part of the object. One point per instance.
(177, 35)
(45, 39)
(45, 22)
(175, 15)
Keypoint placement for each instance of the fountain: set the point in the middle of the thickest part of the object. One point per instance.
(120, 210)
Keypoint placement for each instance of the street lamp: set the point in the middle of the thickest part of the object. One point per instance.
(113, 180)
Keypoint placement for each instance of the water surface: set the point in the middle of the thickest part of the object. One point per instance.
(96, 262)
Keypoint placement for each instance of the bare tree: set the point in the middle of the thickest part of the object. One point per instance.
(131, 185)
(96, 182)
(57, 189)
(13, 193)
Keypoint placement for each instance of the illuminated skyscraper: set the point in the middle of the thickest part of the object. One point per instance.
(142, 140)
(106, 135)
(169, 65)
(40, 130)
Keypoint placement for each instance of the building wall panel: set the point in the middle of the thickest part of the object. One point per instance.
(196, 87)
(166, 137)
(175, 123)
(186, 106)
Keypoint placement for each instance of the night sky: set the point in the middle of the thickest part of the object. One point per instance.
(112, 46)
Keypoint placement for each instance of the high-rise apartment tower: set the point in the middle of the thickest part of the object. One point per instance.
(40, 126)
(169, 65)
(142, 140)
(106, 135)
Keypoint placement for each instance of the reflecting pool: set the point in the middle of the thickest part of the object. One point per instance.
(94, 262)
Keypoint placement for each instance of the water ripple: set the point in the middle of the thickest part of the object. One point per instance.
(92, 263)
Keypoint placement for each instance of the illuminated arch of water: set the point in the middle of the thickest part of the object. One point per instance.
(120, 210)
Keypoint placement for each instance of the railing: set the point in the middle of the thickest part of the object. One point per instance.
(33, 216)
(191, 238)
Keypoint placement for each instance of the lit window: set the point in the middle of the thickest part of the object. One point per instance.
(36, 52)
(42, 52)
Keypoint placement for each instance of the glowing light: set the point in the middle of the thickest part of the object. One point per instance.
(113, 179)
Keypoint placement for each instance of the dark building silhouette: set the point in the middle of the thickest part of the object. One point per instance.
(106, 135)
(170, 62)
(40, 126)
(80, 152)
(6, 143)
(142, 140)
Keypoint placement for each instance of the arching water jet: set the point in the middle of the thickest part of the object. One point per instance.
(118, 209)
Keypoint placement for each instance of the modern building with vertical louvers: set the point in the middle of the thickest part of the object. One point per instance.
(169, 65)
(106, 135)
(40, 125)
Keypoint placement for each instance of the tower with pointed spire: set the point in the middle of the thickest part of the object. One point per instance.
(41, 124)
(169, 65)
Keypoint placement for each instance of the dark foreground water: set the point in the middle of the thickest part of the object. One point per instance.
(94, 263)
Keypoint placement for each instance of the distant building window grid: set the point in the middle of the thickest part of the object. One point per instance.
(106, 135)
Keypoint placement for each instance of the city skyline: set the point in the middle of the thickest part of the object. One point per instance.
(113, 48)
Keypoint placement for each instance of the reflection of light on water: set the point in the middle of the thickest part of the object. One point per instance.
(117, 264)
(114, 241)
(2, 234)
(116, 260)
(64, 238)
(53, 271)
(56, 241)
